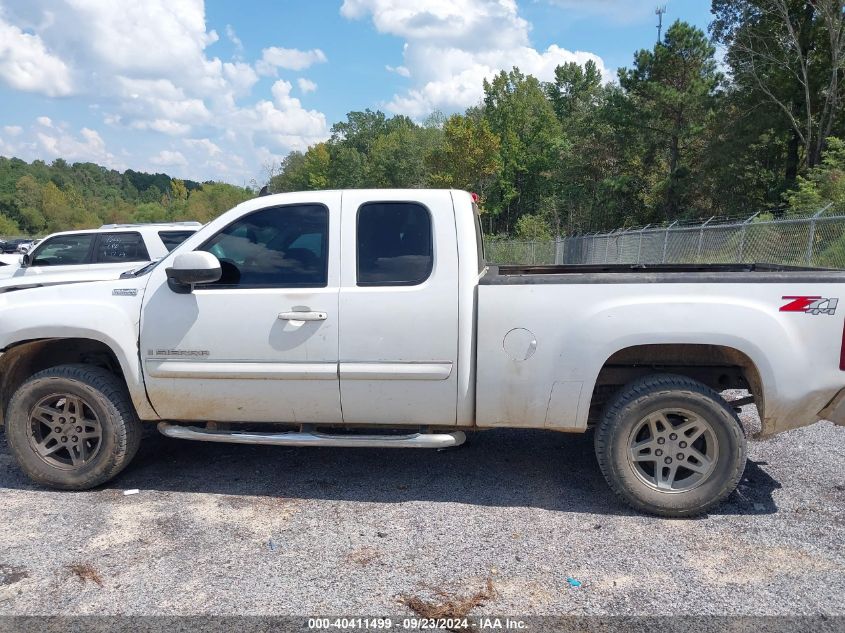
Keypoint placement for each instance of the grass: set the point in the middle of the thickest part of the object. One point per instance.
(85, 573)
(447, 605)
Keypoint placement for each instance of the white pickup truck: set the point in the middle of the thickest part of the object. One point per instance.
(93, 254)
(370, 318)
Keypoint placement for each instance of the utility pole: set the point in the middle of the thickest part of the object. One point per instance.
(659, 11)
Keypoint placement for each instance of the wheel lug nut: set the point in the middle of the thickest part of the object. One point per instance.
(79, 429)
(661, 440)
(680, 456)
(61, 420)
(668, 460)
(73, 420)
(75, 439)
(673, 436)
(658, 452)
(682, 444)
(64, 438)
(58, 429)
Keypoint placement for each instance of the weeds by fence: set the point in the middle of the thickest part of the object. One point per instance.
(817, 240)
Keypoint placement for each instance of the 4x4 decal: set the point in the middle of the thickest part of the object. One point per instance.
(810, 305)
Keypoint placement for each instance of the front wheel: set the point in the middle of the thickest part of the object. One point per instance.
(72, 427)
(670, 446)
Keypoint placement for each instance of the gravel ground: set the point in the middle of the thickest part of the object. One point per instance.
(224, 529)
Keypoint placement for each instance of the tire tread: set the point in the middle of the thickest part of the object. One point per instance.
(127, 429)
(644, 388)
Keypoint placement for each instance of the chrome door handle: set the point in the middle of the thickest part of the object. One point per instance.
(303, 316)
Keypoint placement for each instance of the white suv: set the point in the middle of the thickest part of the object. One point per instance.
(95, 254)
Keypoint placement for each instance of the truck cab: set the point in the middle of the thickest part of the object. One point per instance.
(296, 274)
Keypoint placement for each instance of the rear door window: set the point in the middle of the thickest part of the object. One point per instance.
(394, 244)
(114, 248)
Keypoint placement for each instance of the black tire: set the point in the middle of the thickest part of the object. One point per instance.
(654, 397)
(104, 398)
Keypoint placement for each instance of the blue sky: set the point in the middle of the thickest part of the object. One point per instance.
(223, 90)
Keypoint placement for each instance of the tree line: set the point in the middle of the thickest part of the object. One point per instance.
(682, 134)
(678, 136)
(37, 198)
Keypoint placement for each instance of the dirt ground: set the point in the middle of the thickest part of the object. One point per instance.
(226, 529)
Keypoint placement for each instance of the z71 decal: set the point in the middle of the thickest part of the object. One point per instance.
(810, 305)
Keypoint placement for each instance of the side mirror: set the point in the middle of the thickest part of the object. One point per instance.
(195, 267)
(26, 260)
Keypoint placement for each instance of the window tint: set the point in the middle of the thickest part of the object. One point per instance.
(394, 244)
(172, 239)
(120, 247)
(64, 250)
(280, 247)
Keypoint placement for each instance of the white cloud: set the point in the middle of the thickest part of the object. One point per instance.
(158, 104)
(306, 85)
(284, 123)
(466, 24)
(233, 37)
(135, 53)
(87, 146)
(26, 64)
(147, 64)
(46, 139)
(289, 58)
(165, 126)
(402, 71)
(203, 145)
(168, 158)
(453, 45)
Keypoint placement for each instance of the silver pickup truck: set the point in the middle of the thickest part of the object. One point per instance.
(371, 318)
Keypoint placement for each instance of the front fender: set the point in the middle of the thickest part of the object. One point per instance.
(86, 311)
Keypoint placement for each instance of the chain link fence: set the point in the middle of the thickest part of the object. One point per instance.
(817, 240)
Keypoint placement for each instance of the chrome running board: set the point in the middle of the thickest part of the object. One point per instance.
(313, 438)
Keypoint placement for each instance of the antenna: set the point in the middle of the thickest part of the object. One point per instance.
(659, 11)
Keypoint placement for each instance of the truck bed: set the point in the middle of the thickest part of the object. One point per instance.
(658, 273)
(559, 325)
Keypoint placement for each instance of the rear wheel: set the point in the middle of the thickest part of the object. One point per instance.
(72, 427)
(670, 445)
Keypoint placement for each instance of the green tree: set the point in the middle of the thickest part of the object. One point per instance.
(316, 164)
(468, 156)
(178, 191)
(788, 54)
(360, 130)
(576, 89)
(824, 184)
(397, 158)
(670, 92)
(150, 212)
(55, 208)
(292, 176)
(8, 227)
(346, 166)
(151, 194)
(531, 139)
(214, 198)
(28, 192)
(532, 227)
